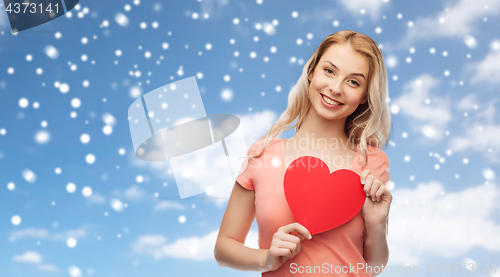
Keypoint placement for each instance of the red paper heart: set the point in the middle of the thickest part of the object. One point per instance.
(321, 200)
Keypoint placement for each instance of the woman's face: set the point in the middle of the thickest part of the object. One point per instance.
(341, 75)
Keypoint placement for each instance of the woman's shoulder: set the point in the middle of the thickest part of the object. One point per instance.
(378, 163)
(377, 155)
(257, 146)
(375, 150)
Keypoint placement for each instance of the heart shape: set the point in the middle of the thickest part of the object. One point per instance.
(321, 200)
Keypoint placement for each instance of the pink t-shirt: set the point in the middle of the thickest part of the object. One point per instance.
(339, 249)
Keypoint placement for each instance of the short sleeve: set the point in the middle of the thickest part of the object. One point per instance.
(245, 175)
(379, 165)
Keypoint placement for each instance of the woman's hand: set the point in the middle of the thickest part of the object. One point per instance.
(379, 198)
(285, 245)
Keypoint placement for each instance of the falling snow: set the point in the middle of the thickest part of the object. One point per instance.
(66, 98)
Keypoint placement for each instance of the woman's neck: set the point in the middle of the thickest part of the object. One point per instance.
(319, 129)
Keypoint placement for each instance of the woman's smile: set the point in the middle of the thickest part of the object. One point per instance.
(329, 103)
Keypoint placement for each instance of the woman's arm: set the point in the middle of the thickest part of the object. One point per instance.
(230, 250)
(376, 217)
(376, 250)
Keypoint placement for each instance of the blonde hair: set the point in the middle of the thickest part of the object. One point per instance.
(370, 123)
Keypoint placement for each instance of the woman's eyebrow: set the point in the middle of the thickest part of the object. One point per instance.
(357, 74)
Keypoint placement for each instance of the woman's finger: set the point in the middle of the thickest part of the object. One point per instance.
(276, 251)
(288, 237)
(368, 185)
(363, 176)
(381, 190)
(375, 186)
(288, 245)
(297, 227)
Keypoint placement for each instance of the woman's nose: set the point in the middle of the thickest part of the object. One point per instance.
(336, 86)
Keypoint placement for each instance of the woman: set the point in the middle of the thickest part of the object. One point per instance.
(340, 97)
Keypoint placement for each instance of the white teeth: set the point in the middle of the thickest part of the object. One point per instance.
(330, 101)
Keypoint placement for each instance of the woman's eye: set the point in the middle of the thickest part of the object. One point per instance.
(354, 82)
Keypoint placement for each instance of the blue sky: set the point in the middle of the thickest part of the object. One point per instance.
(75, 201)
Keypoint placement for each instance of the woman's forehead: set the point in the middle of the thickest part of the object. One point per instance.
(345, 59)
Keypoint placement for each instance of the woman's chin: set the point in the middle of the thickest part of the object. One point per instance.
(328, 115)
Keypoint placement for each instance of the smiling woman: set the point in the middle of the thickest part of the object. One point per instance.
(340, 90)
(340, 96)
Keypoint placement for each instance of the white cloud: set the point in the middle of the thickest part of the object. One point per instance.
(467, 102)
(216, 9)
(160, 167)
(252, 240)
(28, 257)
(75, 233)
(191, 248)
(480, 138)
(48, 267)
(372, 7)
(149, 240)
(164, 205)
(429, 221)
(96, 198)
(486, 71)
(213, 7)
(317, 15)
(44, 234)
(35, 258)
(133, 193)
(429, 119)
(481, 133)
(461, 19)
(31, 232)
(488, 114)
(257, 124)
